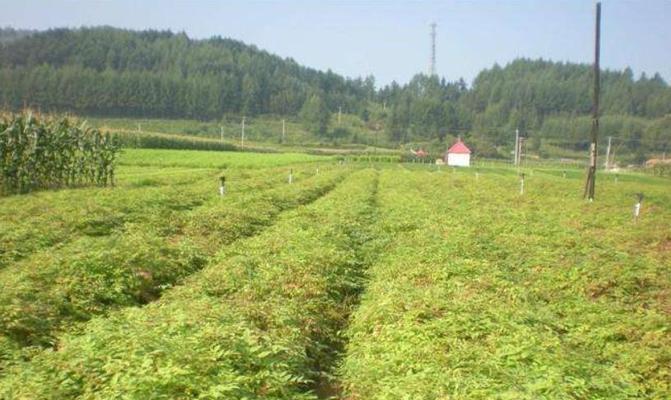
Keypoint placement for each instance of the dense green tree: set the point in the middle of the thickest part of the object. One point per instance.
(315, 115)
(108, 71)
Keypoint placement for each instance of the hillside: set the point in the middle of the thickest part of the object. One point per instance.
(109, 72)
(543, 99)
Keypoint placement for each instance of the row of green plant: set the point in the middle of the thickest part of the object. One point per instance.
(153, 140)
(659, 169)
(54, 291)
(485, 293)
(212, 159)
(42, 220)
(46, 219)
(370, 158)
(258, 323)
(38, 152)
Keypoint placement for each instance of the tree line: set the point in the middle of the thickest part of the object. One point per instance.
(541, 99)
(114, 72)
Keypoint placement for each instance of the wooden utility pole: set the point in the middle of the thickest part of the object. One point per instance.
(591, 172)
(242, 134)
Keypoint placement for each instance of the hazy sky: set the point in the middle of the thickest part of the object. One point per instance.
(390, 39)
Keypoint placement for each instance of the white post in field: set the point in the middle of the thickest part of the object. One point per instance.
(607, 163)
(637, 206)
(222, 186)
(242, 134)
(284, 130)
(517, 146)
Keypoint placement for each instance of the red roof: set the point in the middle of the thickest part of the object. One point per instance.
(459, 148)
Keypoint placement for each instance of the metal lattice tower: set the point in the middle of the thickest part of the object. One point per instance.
(432, 65)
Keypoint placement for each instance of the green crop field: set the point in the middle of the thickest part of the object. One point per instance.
(356, 280)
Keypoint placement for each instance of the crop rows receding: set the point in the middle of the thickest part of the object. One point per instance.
(483, 293)
(134, 263)
(255, 324)
(397, 284)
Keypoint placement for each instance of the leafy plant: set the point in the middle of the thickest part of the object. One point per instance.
(40, 152)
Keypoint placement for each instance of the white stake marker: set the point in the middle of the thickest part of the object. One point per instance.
(637, 206)
(222, 186)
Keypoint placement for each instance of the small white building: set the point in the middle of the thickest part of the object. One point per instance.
(459, 155)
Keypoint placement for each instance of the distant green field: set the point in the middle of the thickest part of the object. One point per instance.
(360, 280)
(212, 159)
(262, 131)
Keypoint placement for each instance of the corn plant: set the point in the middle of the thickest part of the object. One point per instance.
(47, 153)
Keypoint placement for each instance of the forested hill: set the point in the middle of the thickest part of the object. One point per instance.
(540, 98)
(109, 71)
(113, 72)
